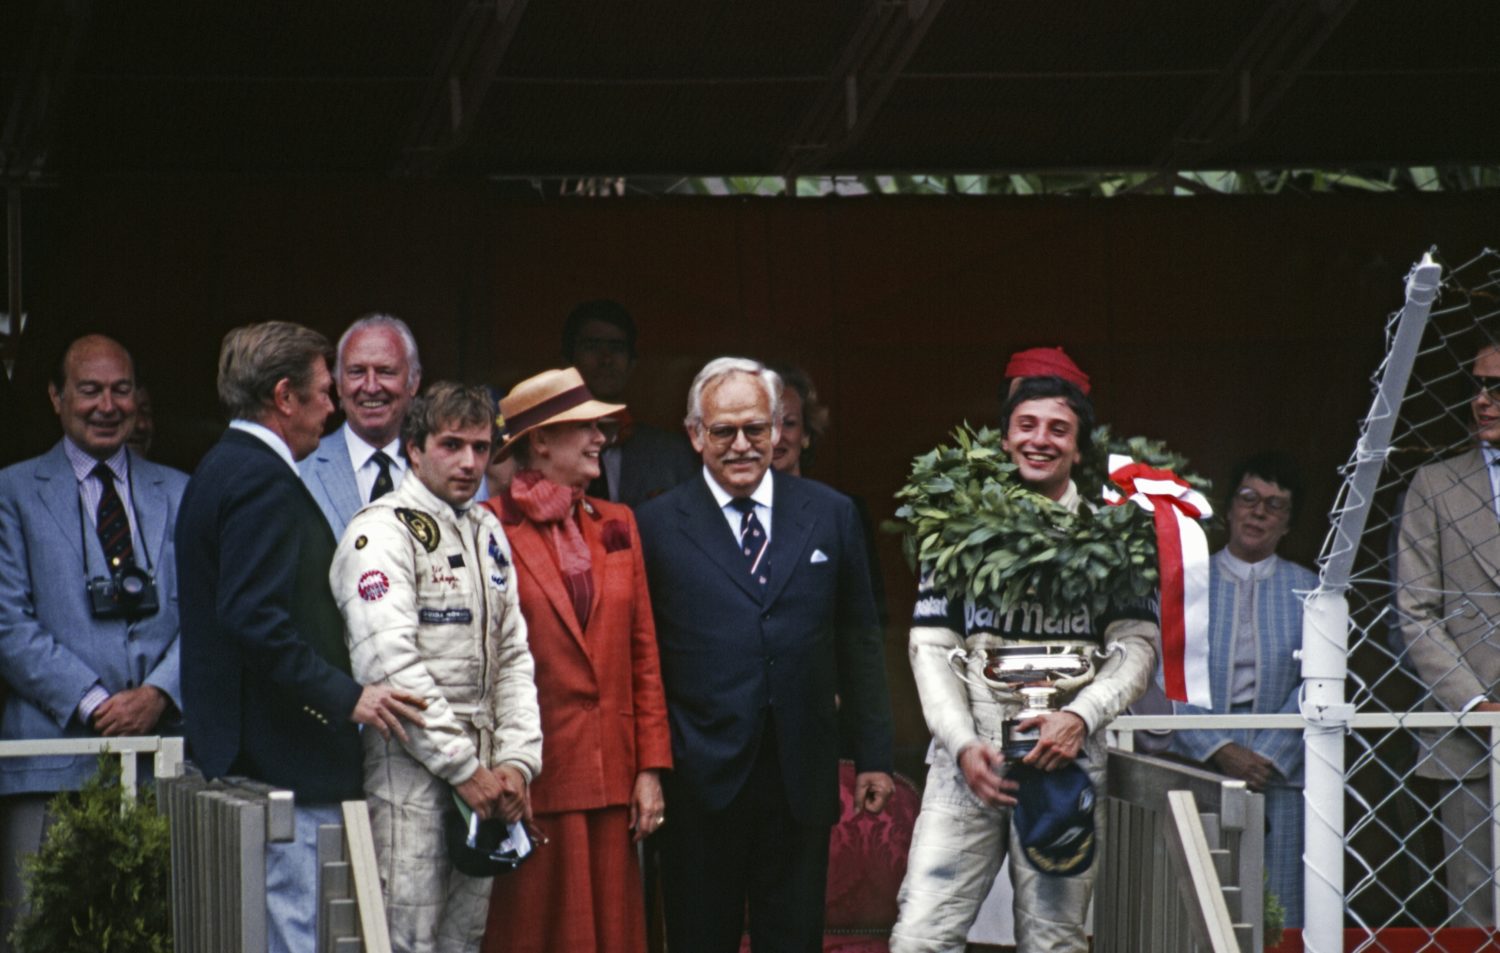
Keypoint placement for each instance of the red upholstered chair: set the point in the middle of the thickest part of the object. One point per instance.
(866, 863)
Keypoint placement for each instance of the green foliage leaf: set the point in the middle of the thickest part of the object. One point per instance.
(966, 519)
(101, 882)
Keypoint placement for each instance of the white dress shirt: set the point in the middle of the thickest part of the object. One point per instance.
(761, 495)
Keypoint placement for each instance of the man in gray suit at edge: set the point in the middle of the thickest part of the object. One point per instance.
(377, 373)
(72, 665)
(1448, 597)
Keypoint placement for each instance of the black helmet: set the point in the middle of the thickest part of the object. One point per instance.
(483, 848)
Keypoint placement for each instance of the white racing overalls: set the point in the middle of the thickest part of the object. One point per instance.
(429, 603)
(960, 842)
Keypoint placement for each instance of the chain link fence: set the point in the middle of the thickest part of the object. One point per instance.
(1416, 539)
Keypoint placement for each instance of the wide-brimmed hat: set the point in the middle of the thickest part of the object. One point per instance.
(551, 397)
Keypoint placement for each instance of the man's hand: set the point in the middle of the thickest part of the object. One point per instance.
(382, 708)
(648, 809)
(1237, 761)
(982, 765)
(481, 792)
(1062, 737)
(135, 711)
(514, 800)
(872, 790)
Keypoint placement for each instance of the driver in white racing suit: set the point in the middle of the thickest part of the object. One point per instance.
(425, 583)
(964, 830)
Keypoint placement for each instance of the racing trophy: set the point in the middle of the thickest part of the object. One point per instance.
(1038, 678)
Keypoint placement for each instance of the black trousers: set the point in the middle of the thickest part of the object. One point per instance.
(753, 853)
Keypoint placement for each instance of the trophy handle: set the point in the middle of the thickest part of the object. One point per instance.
(958, 662)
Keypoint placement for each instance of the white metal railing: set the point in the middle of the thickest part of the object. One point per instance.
(219, 833)
(166, 754)
(1322, 854)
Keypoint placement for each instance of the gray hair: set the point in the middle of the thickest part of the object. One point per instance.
(254, 358)
(391, 323)
(722, 367)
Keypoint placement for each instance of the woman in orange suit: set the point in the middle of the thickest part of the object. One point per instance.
(604, 719)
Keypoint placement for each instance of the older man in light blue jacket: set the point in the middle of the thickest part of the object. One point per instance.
(88, 597)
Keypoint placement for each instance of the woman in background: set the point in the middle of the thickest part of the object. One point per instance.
(1254, 629)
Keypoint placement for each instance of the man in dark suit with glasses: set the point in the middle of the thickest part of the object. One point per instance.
(765, 623)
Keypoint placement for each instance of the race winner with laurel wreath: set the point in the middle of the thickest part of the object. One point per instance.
(1014, 560)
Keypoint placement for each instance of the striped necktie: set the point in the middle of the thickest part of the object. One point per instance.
(111, 522)
(754, 542)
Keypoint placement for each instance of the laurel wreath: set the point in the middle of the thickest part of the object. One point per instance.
(969, 521)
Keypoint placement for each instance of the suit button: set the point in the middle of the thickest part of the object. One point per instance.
(588, 706)
(765, 617)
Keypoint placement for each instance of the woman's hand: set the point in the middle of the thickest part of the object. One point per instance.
(647, 806)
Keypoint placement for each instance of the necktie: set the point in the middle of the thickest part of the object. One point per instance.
(383, 484)
(111, 522)
(753, 541)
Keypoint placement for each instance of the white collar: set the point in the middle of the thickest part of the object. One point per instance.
(360, 452)
(414, 491)
(761, 494)
(270, 438)
(1070, 500)
(1247, 572)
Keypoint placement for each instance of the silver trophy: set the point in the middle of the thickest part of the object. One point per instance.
(1038, 677)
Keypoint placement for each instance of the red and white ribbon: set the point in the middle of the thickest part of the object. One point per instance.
(1182, 561)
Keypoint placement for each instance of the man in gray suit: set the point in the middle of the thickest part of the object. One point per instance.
(377, 373)
(1448, 597)
(79, 655)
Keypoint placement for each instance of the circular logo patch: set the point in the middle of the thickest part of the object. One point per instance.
(373, 585)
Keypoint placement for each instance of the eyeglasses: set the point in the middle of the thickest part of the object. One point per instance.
(722, 435)
(1276, 504)
(1487, 387)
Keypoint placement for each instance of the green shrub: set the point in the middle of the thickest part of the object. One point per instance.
(101, 882)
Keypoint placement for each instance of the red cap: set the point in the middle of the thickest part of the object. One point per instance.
(1047, 362)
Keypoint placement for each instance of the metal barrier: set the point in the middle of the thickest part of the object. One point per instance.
(220, 833)
(166, 754)
(1183, 861)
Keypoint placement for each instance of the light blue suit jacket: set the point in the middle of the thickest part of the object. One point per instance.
(329, 475)
(1278, 624)
(52, 649)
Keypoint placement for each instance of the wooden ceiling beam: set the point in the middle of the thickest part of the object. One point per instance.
(465, 75)
(883, 42)
(1254, 82)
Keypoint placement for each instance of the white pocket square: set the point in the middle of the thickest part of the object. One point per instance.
(819, 556)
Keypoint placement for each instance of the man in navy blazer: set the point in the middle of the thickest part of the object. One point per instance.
(69, 672)
(766, 624)
(376, 373)
(267, 692)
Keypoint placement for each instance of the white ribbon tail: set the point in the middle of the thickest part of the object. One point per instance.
(1195, 586)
